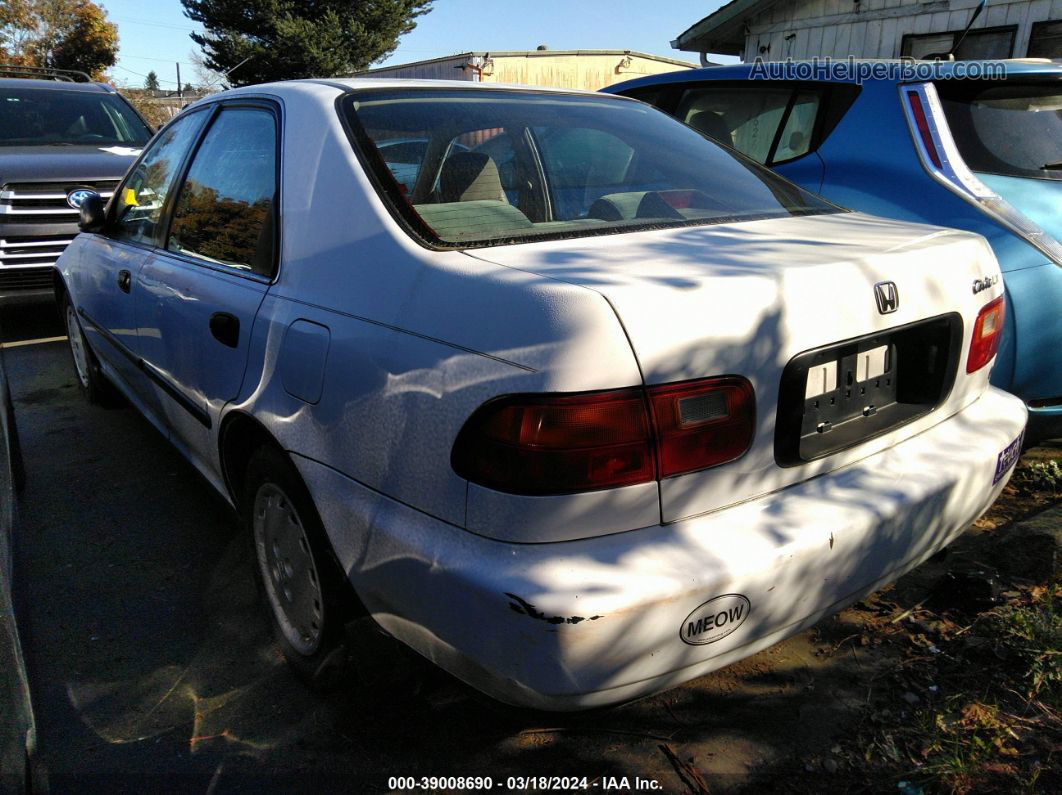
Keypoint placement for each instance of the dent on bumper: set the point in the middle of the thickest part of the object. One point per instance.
(588, 623)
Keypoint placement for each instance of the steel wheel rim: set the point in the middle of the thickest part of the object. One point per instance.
(77, 345)
(288, 570)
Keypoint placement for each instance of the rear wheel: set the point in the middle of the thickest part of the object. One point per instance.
(299, 581)
(90, 378)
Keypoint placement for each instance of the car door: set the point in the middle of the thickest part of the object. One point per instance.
(201, 290)
(107, 282)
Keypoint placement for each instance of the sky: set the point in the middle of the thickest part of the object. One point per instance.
(153, 34)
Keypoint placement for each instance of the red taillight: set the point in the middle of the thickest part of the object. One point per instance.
(701, 424)
(987, 331)
(530, 444)
(561, 444)
(923, 127)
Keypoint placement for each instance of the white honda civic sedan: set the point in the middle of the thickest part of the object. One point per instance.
(570, 399)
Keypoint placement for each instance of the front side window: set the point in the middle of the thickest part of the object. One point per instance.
(224, 211)
(56, 117)
(1014, 129)
(505, 166)
(139, 202)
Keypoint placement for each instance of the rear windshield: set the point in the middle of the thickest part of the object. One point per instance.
(36, 116)
(471, 167)
(1014, 129)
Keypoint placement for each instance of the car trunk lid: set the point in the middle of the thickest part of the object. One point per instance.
(748, 299)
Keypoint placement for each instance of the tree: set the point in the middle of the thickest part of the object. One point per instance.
(90, 44)
(151, 82)
(256, 41)
(62, 34)
(16, 28)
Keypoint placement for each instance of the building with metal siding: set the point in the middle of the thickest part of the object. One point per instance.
(798, 29)
(585, 69)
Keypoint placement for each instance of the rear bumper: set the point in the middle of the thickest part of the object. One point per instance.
(588, 623)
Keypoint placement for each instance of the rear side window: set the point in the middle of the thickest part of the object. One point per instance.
(795, 139)
(747, 120)
(224, 212)
(771, 123)
(1013, 129)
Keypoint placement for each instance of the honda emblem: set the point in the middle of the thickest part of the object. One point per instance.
(887, 296)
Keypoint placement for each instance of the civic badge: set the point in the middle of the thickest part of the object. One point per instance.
(76, 197)
(887, 296)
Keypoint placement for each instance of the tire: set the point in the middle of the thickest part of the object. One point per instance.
(300, 584)
(90, 378)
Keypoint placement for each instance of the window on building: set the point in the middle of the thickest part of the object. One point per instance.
(1046, 40)
(983, 44)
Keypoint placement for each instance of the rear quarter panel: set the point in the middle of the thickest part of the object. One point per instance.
(416, 339)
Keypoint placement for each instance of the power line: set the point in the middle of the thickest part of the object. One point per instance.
(160, 79)
(152, 23)
(150, 58)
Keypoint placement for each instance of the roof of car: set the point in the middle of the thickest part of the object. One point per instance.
(744, 71)
(352, 83)
(55, 85)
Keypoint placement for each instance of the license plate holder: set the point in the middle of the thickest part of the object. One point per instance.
(840, 395)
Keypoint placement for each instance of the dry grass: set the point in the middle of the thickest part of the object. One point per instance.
(974, 703)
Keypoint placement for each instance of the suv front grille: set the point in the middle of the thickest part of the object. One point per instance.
(36, 223)
(26, 251)
(25, 279)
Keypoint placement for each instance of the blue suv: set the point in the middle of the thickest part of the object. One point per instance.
(956, 150)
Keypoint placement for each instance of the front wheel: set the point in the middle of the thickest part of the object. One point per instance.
(297, 577)
(90, 378)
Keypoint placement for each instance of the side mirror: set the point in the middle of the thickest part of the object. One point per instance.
(93, 213)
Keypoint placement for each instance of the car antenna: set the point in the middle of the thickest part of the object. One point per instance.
(977, 12)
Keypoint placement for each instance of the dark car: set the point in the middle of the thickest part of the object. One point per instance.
(59, 140)
(16, 713)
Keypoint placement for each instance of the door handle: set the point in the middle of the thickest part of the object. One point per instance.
(125, 281)
(225, 328)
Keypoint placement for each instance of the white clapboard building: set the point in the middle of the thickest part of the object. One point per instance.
(798, 29)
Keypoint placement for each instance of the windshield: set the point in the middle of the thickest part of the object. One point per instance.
(484, 167)
(1012, 129)
(36, 116)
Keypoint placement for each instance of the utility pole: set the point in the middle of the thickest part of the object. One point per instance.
(180, 87)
